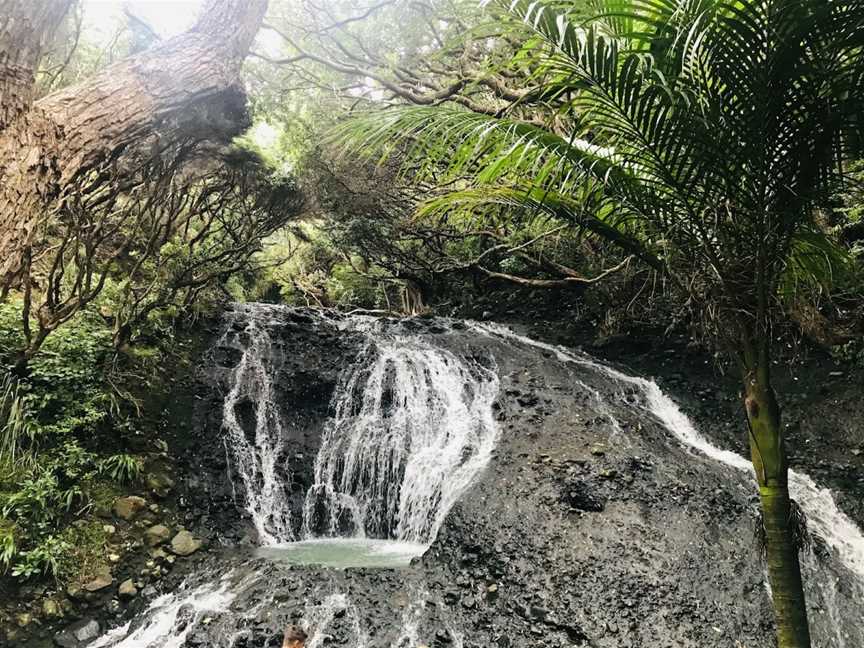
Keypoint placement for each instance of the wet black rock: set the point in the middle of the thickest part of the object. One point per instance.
(591, 526)
(580, 496)
(78, 634)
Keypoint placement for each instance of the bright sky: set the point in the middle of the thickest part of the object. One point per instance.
(167, 17)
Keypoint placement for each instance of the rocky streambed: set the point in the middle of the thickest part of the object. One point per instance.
(594, 518)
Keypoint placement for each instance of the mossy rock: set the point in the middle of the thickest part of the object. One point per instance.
(159, 483)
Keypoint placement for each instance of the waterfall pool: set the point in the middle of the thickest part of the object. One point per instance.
(343, 553)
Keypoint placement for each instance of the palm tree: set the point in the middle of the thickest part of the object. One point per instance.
(702, 137)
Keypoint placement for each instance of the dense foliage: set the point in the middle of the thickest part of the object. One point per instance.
(53, 468)
(704, 140)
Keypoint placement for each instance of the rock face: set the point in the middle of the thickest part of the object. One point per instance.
(591, 525)
(127, 508)
(184, 543)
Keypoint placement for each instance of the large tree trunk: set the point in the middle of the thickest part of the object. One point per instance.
(769, 460)
(169, 91)
(25, 28)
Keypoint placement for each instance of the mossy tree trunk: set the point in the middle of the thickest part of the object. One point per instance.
(770, 463)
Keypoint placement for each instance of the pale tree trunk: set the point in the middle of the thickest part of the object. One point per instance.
(412, 298)
(26, 26)
(169, 91)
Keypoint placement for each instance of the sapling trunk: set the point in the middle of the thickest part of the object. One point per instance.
(769, 460)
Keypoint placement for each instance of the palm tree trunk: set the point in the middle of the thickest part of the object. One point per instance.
(769, 459)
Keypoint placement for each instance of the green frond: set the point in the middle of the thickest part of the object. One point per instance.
(589, 211)
(816, 262)
(715, 126)
(448, 143)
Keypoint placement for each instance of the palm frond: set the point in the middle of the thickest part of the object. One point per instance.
(444, 142)
(589, 211)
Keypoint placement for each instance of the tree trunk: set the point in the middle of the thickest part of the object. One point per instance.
(769, 460)
(25, 28)
(169, 91)
(412, 298)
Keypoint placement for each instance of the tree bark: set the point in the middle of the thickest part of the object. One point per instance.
(26, 26)
(167, 92)
(769, 460)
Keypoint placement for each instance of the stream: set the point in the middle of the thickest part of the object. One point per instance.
(413, 426)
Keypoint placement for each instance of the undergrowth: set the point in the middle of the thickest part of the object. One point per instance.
(60, 456)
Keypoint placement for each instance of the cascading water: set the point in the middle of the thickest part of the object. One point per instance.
(175, 620)
(838, 585)
(173, 616)
(256, 455)
(412, 427)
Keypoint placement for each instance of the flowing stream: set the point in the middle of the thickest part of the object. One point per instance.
(411, 426)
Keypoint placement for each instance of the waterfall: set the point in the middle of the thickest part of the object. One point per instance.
(825, 519)
(257, 455)
(412, 426)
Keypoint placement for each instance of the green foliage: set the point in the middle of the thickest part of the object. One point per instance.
(46, 559)
(121, 467)
(8, 546)
(52, 465)
(679, 138)
(303, 267)
(16, 428)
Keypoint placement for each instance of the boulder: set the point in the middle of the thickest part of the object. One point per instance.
(100, 581)
(77, 634)
(184, 543)
(127, 508)
(157, 535)
(74, 591)
(51, 609)
(159, 483)
(127, 589)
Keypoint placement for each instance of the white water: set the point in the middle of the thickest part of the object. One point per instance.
(171, 617)
(412, 427)
(824, 517)
(403, 411)
(256, 459)
(319, 617)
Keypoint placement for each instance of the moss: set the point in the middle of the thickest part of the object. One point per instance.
(102, 495)
(88, 540)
